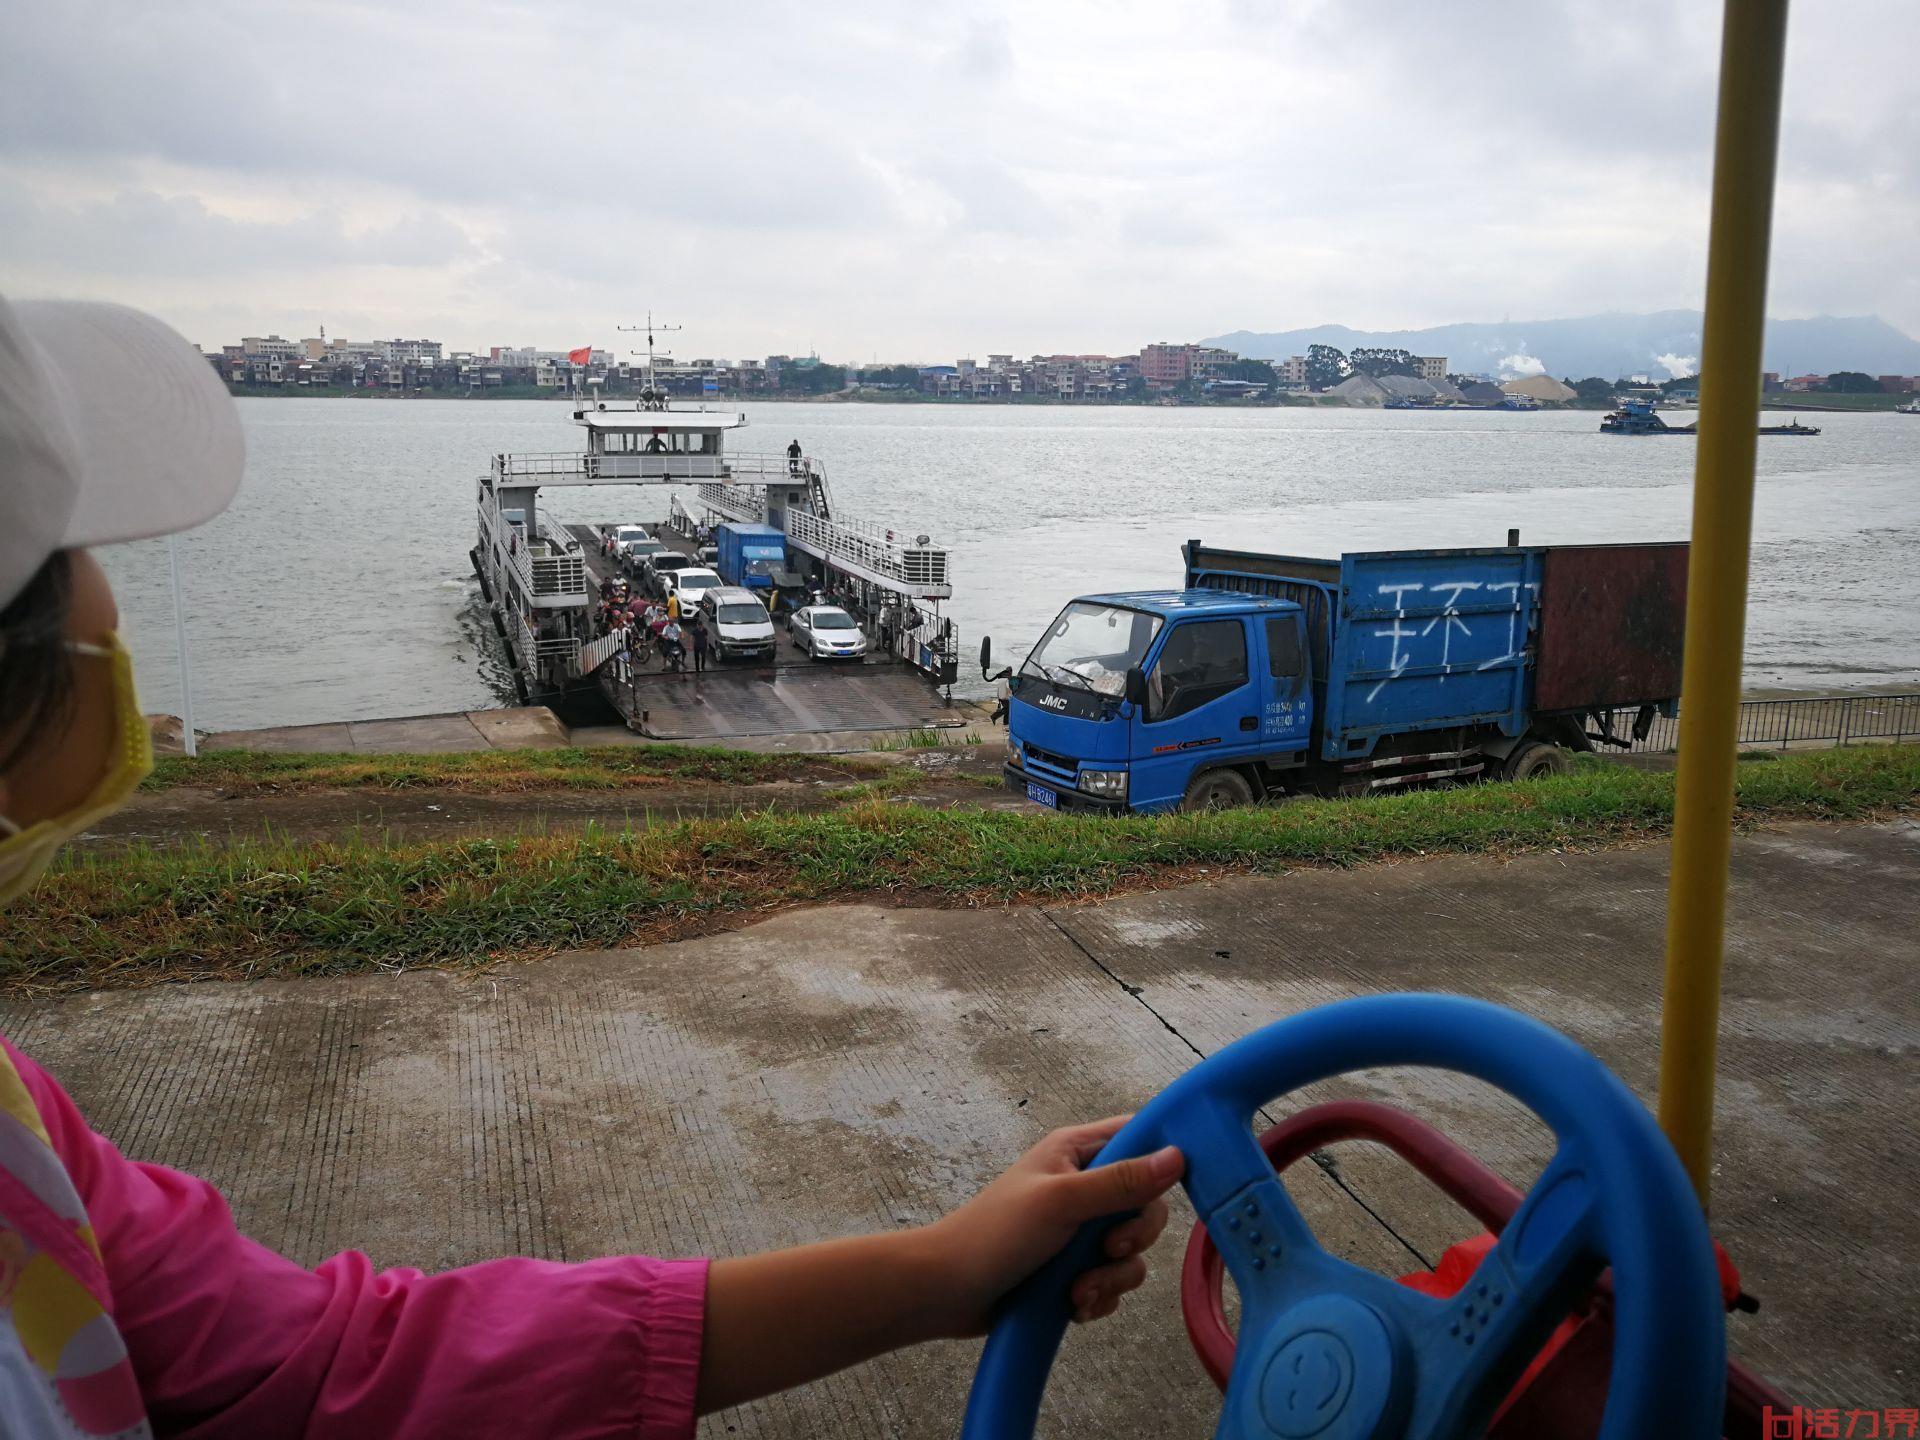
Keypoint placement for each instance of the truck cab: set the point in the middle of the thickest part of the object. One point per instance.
(1151, 700)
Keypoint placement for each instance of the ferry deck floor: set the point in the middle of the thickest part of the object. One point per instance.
(845, 1068)
(787, 695)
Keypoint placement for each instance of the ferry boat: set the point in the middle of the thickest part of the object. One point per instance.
(539, 579)
(1912, 407)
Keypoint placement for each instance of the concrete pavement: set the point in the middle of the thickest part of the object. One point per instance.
(847, 1068)
(514, 728)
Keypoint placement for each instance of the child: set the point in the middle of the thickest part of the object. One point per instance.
(135, 1302)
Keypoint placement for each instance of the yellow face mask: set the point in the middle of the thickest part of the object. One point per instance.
(24, 852)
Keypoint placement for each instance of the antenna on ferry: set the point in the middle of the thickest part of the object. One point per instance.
(650, 397)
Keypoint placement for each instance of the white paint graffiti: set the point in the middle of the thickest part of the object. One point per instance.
(1450, 619)
(1396, 632)
(1513, 621)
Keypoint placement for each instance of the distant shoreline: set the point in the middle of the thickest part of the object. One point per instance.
(838, 397)
(1865, 404)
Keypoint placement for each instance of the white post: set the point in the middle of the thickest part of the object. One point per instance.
(180, 643)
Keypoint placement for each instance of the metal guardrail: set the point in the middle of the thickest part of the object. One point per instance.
(933, 647)
(596, 654)
(1814, 720)
(874, 553)
(547, 569)
(658, 465)
(746, 507)
(549, 577)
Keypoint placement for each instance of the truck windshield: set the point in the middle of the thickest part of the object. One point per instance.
(1092, 647)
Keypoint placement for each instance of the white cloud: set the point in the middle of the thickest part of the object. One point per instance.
(1678, 366)
(1520, 366)
(927, 182)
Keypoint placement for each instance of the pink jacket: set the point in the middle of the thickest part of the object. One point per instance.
(227, 1338)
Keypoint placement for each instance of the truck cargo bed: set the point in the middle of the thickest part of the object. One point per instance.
(1420, 640)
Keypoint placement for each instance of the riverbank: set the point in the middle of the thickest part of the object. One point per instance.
(153, 910)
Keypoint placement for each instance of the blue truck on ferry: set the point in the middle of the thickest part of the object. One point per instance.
(750, 555)
(1269, 674)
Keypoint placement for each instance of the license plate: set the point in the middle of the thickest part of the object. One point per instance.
(1042, 795)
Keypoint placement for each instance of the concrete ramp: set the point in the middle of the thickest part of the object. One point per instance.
(721, 704)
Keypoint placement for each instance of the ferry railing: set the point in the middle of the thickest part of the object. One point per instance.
(547, 569)
(873, 552)
(574, 465)
(932, 646)
(554, 577)
(1804, 721)
(596, 654)
(736, 502)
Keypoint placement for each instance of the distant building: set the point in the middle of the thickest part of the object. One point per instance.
(1292, 370)
(1165, 366)
(270, 347)
(1899, 384)
(1429, 367)
(1210, 362)
(1770, 381)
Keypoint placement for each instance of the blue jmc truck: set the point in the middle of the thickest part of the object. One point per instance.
(1271, 674)
(750, 555)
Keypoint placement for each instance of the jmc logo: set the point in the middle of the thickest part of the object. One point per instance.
(1053, 702)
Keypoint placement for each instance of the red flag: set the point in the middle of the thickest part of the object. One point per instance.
(581, 356)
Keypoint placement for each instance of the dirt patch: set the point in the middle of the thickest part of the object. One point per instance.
(193, 814)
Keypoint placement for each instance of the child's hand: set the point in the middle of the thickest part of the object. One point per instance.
(1022, 1219)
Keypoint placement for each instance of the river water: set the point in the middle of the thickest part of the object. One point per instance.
(337, 587)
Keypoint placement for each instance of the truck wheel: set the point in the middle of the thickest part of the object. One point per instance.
(1536, 757)
(1217, 790)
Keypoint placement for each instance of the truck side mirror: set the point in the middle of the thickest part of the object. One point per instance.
(986, 653)
(1136, 686)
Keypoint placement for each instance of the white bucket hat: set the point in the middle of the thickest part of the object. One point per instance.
(112, 427)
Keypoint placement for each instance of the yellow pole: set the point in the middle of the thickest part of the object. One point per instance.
(1746, 139)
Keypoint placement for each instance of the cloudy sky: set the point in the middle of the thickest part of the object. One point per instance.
(894, 181)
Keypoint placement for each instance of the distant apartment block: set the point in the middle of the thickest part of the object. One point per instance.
(1165, 366)
(269, 347)
(1425, 367)
(1292, 370)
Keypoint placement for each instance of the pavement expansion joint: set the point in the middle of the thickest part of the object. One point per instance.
(1319, 1158)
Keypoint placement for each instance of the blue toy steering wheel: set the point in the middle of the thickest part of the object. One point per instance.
(1330, 1351)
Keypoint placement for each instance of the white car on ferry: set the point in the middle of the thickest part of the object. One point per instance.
(826, 632)
(690, 582)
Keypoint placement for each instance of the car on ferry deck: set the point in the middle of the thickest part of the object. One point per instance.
(621, 536)
(738, 622)
(690, 582)
(655, 569)
(635, 554)
(826, 632)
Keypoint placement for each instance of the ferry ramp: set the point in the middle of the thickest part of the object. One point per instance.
(789, 694)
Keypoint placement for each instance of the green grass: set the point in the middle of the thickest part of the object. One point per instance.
(927, 739)
(276, 908)
(497, 771)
